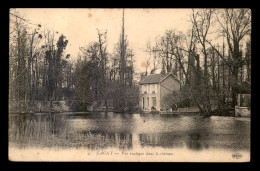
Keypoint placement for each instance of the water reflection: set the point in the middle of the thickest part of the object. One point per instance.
(124, 131)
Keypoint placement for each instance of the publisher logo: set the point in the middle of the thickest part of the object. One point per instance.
(236, 155)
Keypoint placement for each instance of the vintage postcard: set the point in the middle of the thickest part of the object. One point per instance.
(129, 85)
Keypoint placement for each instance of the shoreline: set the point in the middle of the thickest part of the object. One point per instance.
(93, 112)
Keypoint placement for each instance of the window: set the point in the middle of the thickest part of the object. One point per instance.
(154, 101)
(143, 102)
(144, 89)
(153, 88)
(147, 101)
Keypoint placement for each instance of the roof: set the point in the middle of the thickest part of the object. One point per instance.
(154, 78)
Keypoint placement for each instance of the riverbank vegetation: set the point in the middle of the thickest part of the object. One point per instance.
(212, 61)
(51, 131)
(40, 71)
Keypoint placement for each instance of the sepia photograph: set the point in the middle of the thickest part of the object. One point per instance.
(129, 84)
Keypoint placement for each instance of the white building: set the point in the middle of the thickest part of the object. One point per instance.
(154, 88)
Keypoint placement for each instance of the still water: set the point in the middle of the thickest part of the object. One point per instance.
(128, 131)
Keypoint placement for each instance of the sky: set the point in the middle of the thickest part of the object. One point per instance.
(80, 26)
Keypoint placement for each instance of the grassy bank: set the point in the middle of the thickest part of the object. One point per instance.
(51, 131)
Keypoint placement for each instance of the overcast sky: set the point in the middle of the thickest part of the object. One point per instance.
(80, 26)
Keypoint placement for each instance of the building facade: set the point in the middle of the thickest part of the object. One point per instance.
(154, 89)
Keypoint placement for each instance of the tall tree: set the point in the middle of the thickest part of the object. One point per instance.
(235, 24)
(18, 54)
(202, 21)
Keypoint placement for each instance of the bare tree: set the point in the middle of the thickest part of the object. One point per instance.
(235, 25)
(202, 21)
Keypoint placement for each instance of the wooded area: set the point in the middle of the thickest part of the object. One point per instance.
(212, 61)
(40, 71)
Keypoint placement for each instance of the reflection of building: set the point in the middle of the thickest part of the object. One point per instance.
(165, 140)
(154, 88)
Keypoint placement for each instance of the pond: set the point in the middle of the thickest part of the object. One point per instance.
(128, 131)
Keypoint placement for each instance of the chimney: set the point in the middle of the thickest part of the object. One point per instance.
(142, 76)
